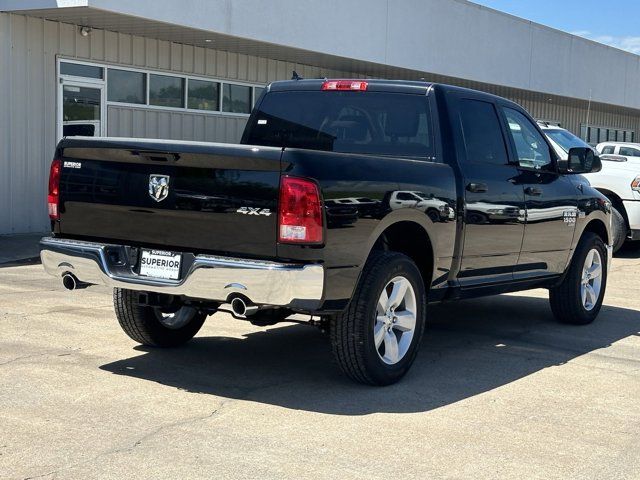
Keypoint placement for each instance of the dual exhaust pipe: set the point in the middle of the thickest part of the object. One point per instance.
(239, 305)
(71, 282)
(243, 308)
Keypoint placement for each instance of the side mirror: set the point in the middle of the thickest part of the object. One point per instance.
(580, 160)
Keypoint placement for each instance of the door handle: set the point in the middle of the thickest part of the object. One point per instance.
(477, 187)
(533, 191)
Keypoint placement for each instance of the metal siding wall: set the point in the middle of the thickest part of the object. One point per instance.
(27, 123)
(145, 123)
(6, 129)
(570, 112)
(28, 48)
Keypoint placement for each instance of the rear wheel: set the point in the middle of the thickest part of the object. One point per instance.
(376, 339)
(154, 326)
(578, 299)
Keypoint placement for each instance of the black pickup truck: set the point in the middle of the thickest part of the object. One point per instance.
(355, 202)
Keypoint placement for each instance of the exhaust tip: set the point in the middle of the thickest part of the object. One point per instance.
(242, 307)
(239, 306)
(69, 281)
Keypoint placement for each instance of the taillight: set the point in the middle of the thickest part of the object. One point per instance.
(299, 211)
(53, 199)
(350, 85)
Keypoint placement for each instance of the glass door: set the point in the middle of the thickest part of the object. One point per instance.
(81, 108)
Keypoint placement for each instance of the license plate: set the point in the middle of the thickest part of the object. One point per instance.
(160, 264)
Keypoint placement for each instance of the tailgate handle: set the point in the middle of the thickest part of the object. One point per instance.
(157, 156)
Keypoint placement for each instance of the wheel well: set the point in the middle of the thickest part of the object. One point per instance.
(411, 239)
(598, 227)
(617, 203)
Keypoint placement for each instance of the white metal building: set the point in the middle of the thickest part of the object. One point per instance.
(192, 69)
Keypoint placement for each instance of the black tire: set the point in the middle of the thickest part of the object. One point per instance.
(618, 229)
(434, 215)
(352, 330)
(566, 299)
(141, 323)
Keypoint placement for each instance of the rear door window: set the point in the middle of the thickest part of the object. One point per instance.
(483, 137)
(629, 152)
(348, 122)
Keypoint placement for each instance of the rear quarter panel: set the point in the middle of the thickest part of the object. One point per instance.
(356, 190)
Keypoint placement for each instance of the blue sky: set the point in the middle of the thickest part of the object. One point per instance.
(614, 22)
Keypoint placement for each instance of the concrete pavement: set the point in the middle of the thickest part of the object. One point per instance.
(499, 390)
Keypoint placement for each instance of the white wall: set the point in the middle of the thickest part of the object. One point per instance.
(456, 38)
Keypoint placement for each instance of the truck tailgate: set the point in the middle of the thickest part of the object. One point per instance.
(184, 196)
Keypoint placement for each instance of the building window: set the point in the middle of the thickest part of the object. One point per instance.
(126, 86)
(236, 99)
(203, 95)
(257, 91)
(166, 91)
(80, 70)
(595, 135)
(171, 91)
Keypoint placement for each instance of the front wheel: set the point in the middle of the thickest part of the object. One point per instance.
(376, 339)
(154, 326)
(578, 299)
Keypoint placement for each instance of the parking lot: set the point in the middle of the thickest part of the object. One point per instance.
(498, 391)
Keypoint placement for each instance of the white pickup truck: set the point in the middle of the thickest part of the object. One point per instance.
(619, 181)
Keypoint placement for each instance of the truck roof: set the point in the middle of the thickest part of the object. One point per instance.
(419, 87)
(376, 85)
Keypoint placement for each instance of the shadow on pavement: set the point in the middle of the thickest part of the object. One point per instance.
(629, 250)
(16, 250)
(470, 347)
(21, 262)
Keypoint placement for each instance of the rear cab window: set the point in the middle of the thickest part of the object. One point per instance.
(361, 122)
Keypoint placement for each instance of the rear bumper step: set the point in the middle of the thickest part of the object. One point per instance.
(209, 277)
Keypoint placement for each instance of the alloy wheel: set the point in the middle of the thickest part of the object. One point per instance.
(395, 323)
(591, 283)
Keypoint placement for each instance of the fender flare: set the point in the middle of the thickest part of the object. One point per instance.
(398, 216)
(594, 215)
(581, 227)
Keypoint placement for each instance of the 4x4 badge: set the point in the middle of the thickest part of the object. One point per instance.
(254, 211)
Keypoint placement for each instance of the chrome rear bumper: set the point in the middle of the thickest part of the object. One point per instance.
(208, 277)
